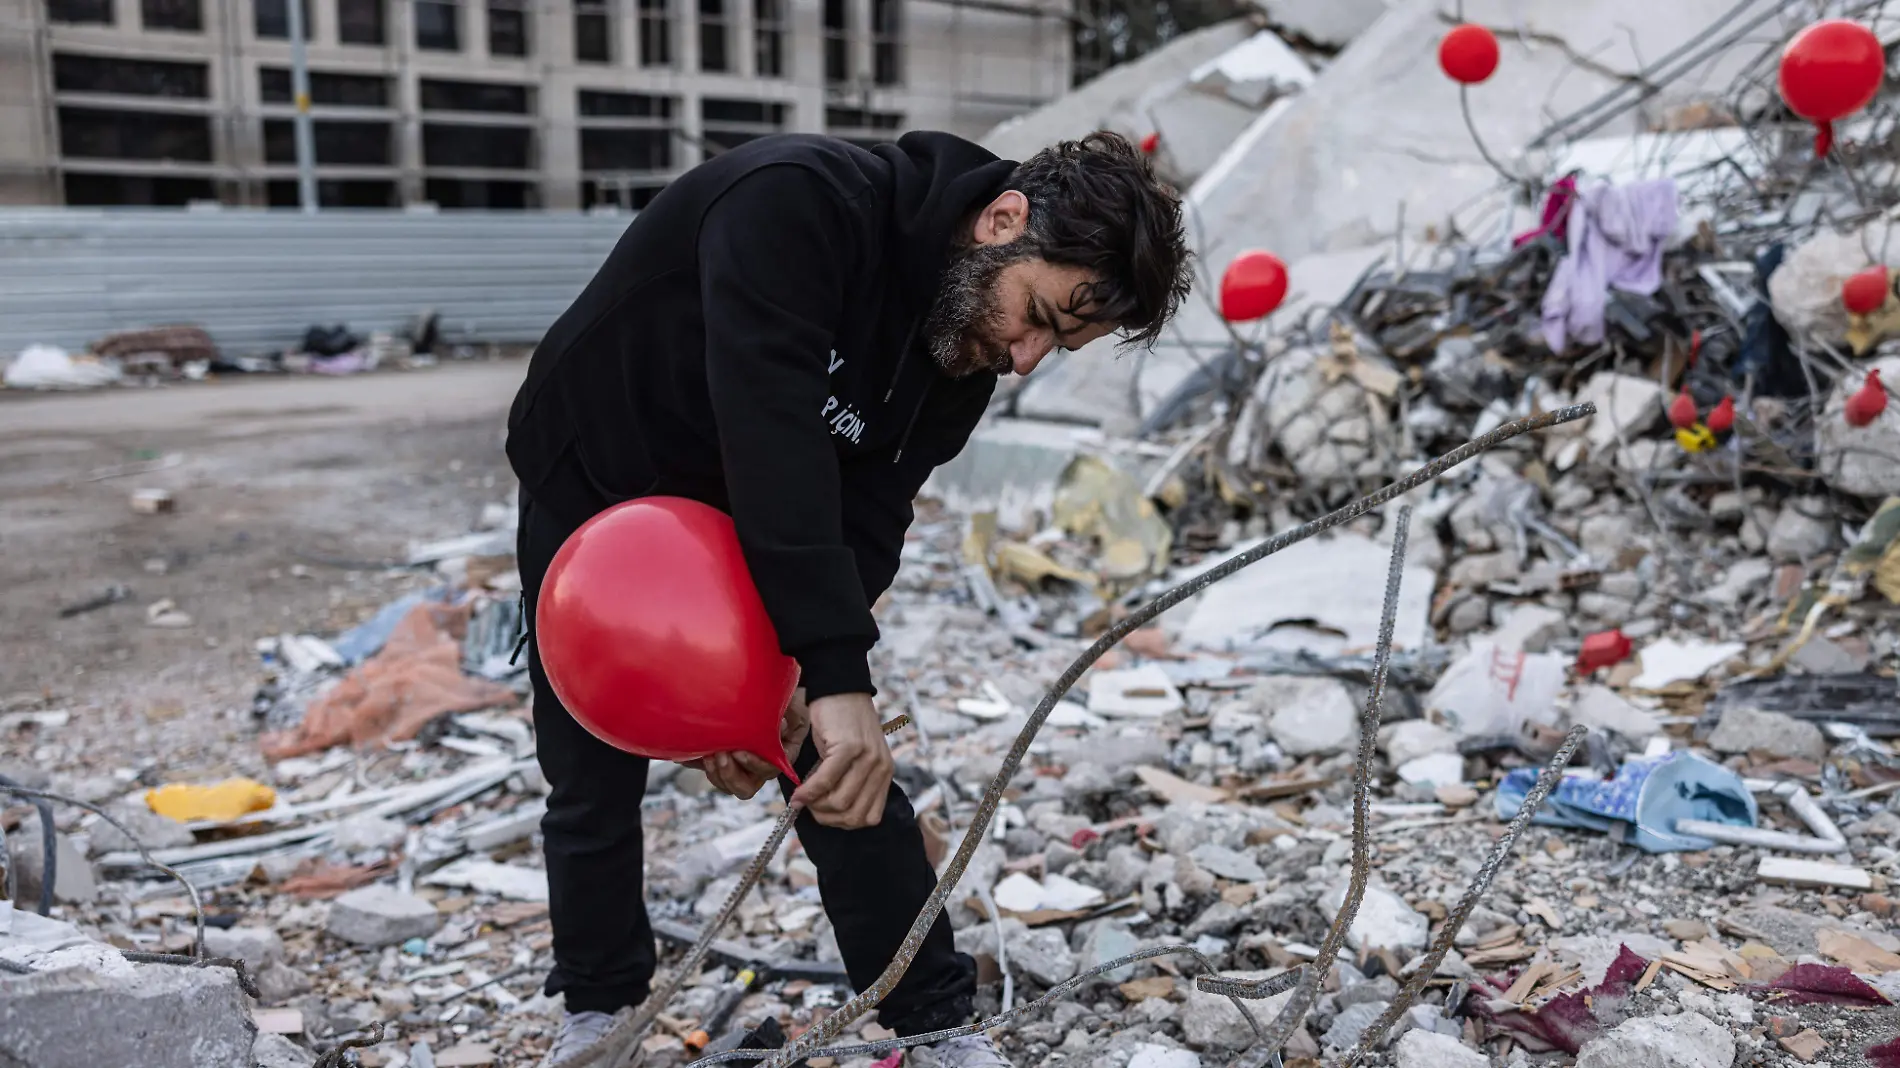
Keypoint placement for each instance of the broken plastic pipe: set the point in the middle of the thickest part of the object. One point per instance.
(1827, 837)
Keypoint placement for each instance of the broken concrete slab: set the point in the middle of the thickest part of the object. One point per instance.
(1860, 460)
(1384, 921)
(1428, 1049)
(1410, 739)
(73, 881)
(152, 830)
(161, 1017)
(1010, 467)
(1119, 98)
(1307, 715)
(381, 916)
(1212, 1021)
(276, 1051)
(1311, 597)
(1136, 693)
(1689, 1040)
(255, 946)
(1748, 730)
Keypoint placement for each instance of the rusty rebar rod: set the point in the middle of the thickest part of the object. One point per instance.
(868, 998)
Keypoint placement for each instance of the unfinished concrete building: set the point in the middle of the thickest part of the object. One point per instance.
(557, 104)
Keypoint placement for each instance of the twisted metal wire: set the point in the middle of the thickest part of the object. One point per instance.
(1480, 886)
(197, 906)
(864, 1001)
(1293, 1014)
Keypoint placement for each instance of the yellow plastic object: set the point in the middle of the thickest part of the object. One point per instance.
(221, 801)
(1696, 439)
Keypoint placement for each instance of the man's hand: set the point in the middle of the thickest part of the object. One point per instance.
(742, 775)
(853, 777)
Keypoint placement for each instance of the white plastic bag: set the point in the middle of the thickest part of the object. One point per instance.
(1498, 691)
(48, 367)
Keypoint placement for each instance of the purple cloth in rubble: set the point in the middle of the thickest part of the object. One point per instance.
(1617, 237)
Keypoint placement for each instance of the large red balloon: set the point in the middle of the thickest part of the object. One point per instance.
(1254, 285)
(1831, 70)
(655, 638)
(1468, 54)
(1864, 293)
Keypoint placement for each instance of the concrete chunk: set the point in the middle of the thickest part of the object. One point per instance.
(381, 916)
(162, 1017)
(1690, 1040)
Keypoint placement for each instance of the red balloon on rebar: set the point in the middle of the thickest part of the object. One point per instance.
(655, 638)
(1829, 71)
(1864, 293)
(1254, 285)
(1722, 416)
(1682, 411)
(1867, 402)
(1151, 143)
(1468, 54)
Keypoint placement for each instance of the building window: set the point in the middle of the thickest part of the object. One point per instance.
(335, 90)
(130, 77)
(837, 41)
(507, 29)
(465, 193)
(439, 94)
(336, 193)
(768, 21)
(728, 124)
(599, 192)
(617, 149)
(887, 42)
(80, 12)
(656, 34)
(593, 32)
(271, 19)
(712, 37)
(134, 190)
(186, 16)
(96, 133)
(866, 129)
(360, 22)
(599, 104)
(504, 148)
(345, 142)
(437, 27)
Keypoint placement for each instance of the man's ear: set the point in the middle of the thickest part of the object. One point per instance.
(1003, 220)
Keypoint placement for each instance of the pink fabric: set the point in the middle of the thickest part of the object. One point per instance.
(1556, 212)
(1617, 238)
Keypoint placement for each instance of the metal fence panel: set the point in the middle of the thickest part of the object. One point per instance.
(255, 280)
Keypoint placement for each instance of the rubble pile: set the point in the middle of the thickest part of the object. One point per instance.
(1702, 576)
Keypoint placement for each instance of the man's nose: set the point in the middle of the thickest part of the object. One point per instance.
(1026, 354)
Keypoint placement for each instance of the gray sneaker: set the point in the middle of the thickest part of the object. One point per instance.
(970, 1051)
(580, 1030)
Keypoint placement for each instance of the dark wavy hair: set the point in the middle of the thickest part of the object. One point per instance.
(1096, 204)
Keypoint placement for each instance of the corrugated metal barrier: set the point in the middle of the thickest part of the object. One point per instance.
(257, 279)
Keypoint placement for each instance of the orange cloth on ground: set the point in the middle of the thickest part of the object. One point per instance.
(416, 677)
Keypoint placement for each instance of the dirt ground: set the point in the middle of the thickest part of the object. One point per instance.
(291, 496)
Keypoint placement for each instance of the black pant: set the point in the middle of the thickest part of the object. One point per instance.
(873, 881)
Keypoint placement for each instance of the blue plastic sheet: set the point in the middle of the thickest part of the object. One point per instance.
(366, 639)
(1648, 796)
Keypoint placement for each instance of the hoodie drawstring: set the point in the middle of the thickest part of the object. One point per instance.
(903, 357)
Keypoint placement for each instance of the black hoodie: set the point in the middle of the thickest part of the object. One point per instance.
(754, 342)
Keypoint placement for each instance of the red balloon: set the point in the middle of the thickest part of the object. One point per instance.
(1682, 411)
(1150, 143)
(655, 638)
(1722, 416)
(1254, 285)
(1831, 70)
(1468, 54)
(1867, 403)
(1864, 293)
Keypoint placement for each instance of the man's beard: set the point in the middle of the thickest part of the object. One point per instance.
(961, 328)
